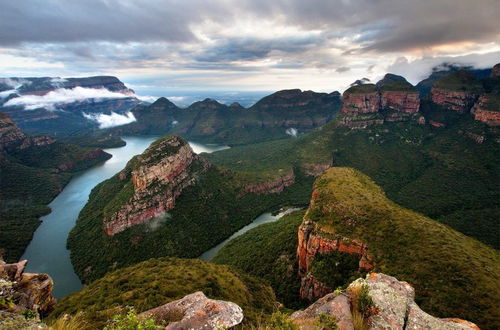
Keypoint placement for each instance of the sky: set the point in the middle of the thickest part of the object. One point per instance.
(163, 46)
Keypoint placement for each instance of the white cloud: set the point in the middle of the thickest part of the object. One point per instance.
(292, 132)
(61, 96)
(111, 120)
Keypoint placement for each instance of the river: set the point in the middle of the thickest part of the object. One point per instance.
(47, 252)
(263, 218)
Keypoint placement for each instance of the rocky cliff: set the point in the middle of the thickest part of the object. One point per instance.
(487, 109)
(155, 179)
(351, 227)
(273, 186)
(11, 136)
(20, 291)
(391, 99)
(457, 91)
(386, 304)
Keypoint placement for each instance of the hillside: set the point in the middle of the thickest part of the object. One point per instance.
(445, 166)
(452, 274)
(280, 115)
(158, 281)
(33, 170)
(166, 200)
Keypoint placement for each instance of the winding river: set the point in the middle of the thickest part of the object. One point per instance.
(47, 252)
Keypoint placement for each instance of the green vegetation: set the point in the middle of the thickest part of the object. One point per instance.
(91, 141)
(335, 269)
(461, 80)
(452, 273)
(30, 179)
(155, 282)
(269, 252)
(130, 321)
(365, 88)
(362, 306)
(193, 223)
(326, 322)
(439, 172)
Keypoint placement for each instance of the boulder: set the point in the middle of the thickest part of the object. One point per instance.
(196, 311)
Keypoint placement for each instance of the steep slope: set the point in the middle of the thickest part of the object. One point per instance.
(158, 281)
(33, 170)
(170, 202)
(60, 106)
(350, 214)
(282, 114)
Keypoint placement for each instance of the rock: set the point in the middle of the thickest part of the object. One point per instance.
(27, 291)
(487, 109)
(160, 175)
(315, 169)
(273, 186)
(13, 138)
(460, 101)
(495, 72)
(392, 99)
(196, 311)
(396, 308)
(337, 305)
(11, 321)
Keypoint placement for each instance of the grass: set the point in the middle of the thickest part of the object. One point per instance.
(156, 282)
(453, 275)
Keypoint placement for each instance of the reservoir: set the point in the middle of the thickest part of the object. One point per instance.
(47, 252)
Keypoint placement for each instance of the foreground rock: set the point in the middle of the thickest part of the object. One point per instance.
(21, 292)
(394, 308)
(196, 311)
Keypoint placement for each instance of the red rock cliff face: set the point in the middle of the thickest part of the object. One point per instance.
(157, 182)
(484, 113)
(407, 102)
(11, 136)
(361, 102)
(460, 101)
(310, 243)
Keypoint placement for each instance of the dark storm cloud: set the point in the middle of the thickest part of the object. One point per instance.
(101, 20)
(382, 25)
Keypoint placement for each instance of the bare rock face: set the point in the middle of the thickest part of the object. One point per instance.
(397, 309)
(495, 72)
(486, 109)
(337, 305)
(460, 101)
(196, 311)
(12, 137)
(274, 186)
(26, 290)
(316, 169)
(162, 172)
(392, 99)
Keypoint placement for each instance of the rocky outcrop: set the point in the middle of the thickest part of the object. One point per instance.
(196, 311)
(315, 169)
(271, 187)
(495, 72)
(460, 101)
(394, 308)
(397, 309)
(487, 109)
(25, 291)
(157, 178)
(310, 243)
(12, 137)
(392, 99)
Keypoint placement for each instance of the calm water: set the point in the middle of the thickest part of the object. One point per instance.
(263, 218)
(47, 251)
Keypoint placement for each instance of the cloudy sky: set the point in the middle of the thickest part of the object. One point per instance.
(244, 45)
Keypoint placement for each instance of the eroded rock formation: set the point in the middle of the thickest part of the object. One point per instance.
(460, 101)
(487, 109)
(25, 291)
(12, 137)
(394, 308)
(157, 178)
(196, 311)
(273, 186)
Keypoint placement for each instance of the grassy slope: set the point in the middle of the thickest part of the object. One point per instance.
(434, 171)
(158, 281)
(268, 252)
(452, 273)
(29, 182)
(205, 214)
